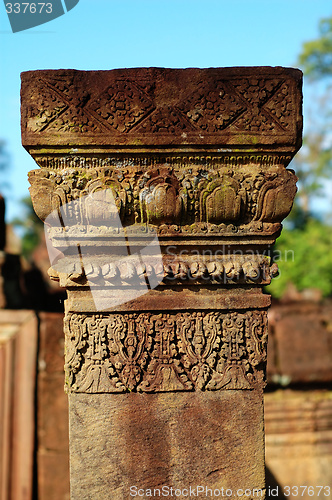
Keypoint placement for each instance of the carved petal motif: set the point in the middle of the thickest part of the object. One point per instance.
(42, 193)
(160, 199)
(164, 197)
(221, 201)
(275, 201)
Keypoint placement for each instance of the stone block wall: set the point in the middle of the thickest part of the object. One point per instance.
(18, 351)
(52, 412)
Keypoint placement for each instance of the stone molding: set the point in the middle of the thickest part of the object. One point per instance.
(193, 270)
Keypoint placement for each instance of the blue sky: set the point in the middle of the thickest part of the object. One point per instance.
(108, 34)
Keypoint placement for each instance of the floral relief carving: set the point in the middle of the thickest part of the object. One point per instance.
(122, 105)
(165, 352)
(87, 363)
(164, 371)
(130, 342)
(212, 110)
(233, 363)
(199, 342)
(168, 198)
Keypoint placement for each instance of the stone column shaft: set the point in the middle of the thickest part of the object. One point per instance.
(164, 190)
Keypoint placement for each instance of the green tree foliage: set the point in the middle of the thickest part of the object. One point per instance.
(316, 56)
(30, 226)
(304, 250)
(313, 163)
(305, 259)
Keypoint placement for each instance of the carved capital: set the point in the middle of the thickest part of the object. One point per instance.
(164, 190)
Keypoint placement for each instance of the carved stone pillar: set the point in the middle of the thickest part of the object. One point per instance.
(164, 190)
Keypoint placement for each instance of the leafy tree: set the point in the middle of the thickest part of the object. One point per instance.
(313, 163)
(316, 55)
(305, 234)
(30, 226)
(305, 259)
(4, 165)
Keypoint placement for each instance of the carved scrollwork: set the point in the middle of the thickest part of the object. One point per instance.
(165, 352)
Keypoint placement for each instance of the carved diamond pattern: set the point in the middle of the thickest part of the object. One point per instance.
(280, 106)
(60, 107)
(257, 93)
(212, 110)
(165, 120)
(122, 105)
(45, 107)
(252, 104)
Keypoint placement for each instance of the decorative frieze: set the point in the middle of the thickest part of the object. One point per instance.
(207, 199)
(170, 270)
(152, 107)
(163, 352)
(152, 161)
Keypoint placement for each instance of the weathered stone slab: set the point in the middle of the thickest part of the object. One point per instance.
(299, 441)
(178, 440)
(301, 357)
(254, 108)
